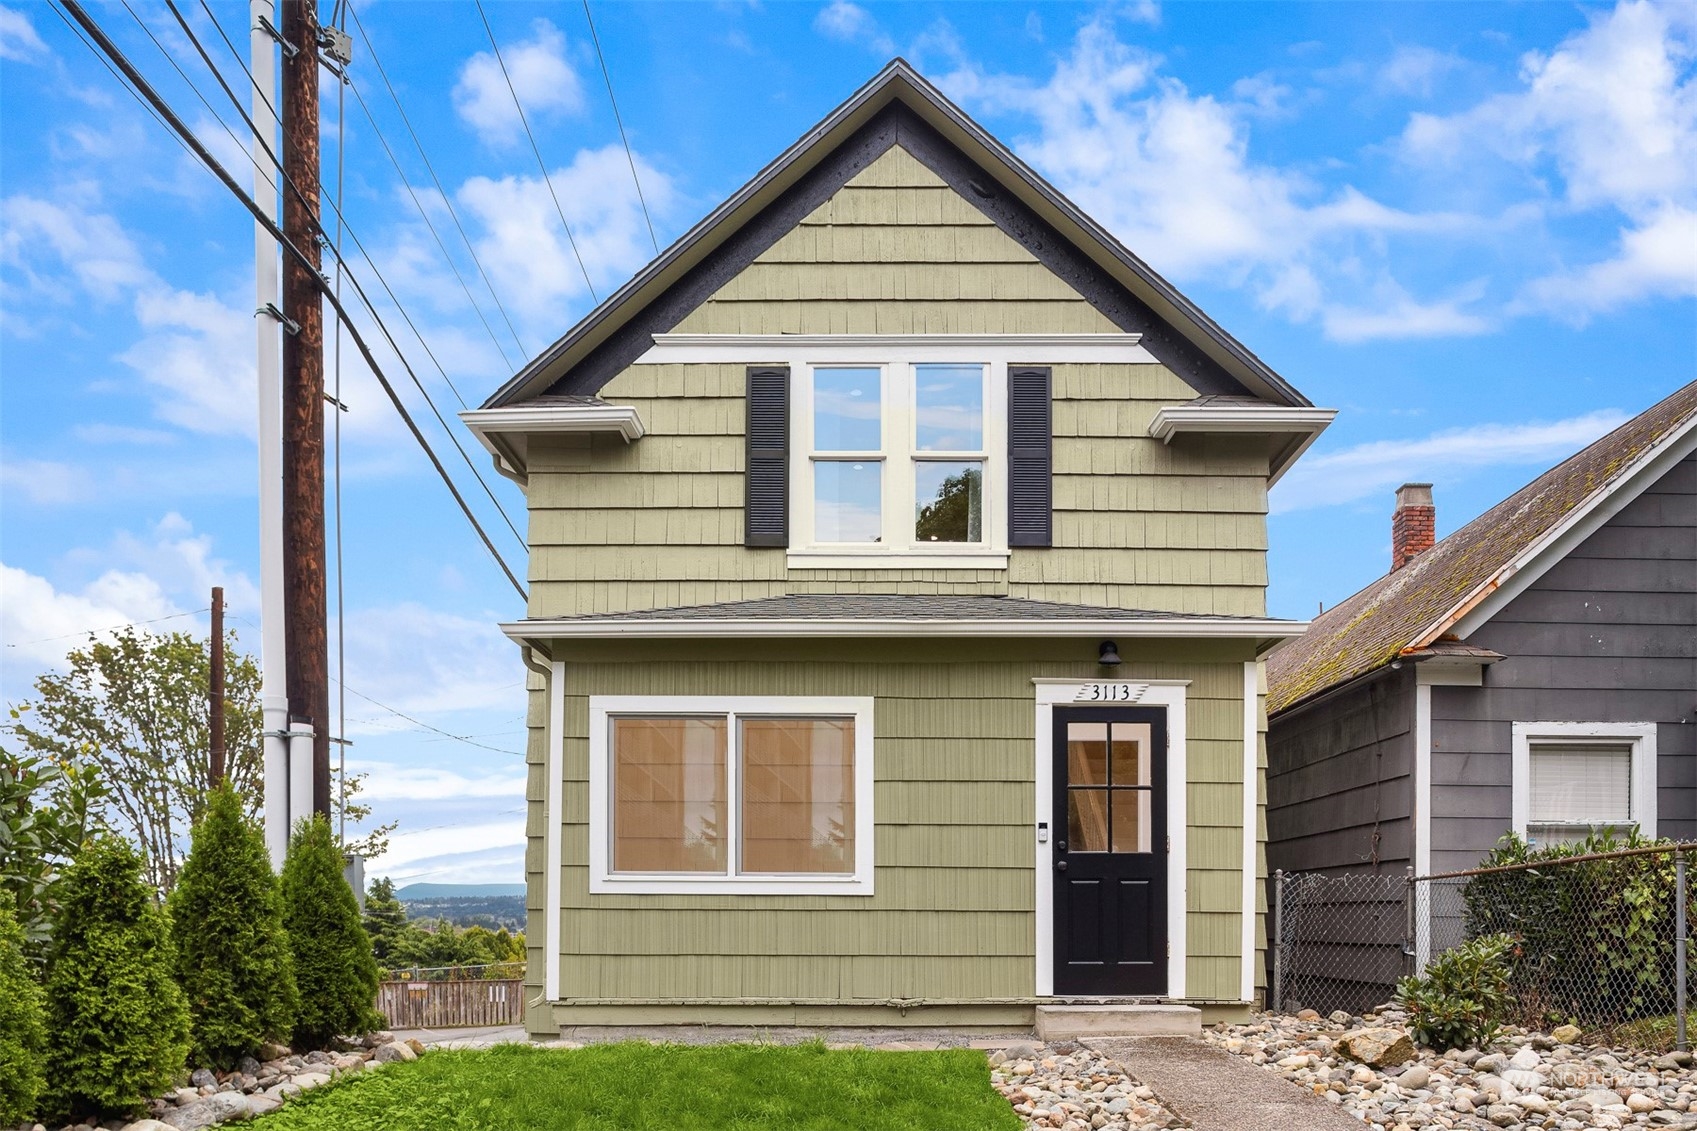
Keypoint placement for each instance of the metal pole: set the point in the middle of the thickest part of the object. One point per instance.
(215, 691)
(303, 401)
(273, 655)
(1278, 940)
(1680, 944)
(1410, 953)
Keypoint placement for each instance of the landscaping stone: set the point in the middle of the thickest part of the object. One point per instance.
(203, 1078)
(217, 1108)
(1068, 1086)
(1526, 1081)
(395, 1050)
(1378, 1047)
(311, 1080)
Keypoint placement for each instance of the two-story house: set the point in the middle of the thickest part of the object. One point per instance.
(897, 588)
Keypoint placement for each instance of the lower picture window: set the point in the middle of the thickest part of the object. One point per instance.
(744, 793)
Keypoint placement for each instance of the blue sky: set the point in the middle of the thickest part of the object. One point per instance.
(1472, 228)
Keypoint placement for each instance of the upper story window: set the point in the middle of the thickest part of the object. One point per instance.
(900, 459)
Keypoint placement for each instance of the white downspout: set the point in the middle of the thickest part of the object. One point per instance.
(274, 698)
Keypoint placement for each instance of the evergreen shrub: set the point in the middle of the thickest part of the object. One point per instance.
(334, 968)
(233, 959)
(22, 1034)
(117, 1024)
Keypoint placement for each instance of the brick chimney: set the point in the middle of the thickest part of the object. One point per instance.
(1413, 525)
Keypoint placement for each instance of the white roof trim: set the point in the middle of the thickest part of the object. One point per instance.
(1488, 598)
(760, 628)
(1036, 349)
(503, 432)
(1303, 425)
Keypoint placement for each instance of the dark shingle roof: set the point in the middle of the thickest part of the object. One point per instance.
(893, 606)
(1380, 622)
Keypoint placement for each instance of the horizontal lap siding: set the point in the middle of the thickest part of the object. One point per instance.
(952, 916)
(1609, 634)
(1339, 790)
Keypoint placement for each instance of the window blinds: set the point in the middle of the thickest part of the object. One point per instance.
(1581, 783)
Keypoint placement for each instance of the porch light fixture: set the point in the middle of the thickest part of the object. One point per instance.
(1108, 655)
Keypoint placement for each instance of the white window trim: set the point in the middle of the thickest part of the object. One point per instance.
(898, 420)
(1168, 693)
(1641, 736)
(603, 708)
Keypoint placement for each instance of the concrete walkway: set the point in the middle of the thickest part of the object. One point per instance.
(1217, 1091)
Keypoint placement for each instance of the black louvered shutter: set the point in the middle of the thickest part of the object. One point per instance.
(1030, 449)
(766, 513)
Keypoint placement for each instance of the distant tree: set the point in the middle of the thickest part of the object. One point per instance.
(136, 708)
(955, 515)
(47, 808)
(385, 922)
(117, 1025)
(334, 968)
(233, 958)
(23, 1036)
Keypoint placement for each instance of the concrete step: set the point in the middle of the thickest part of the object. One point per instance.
(1118, 1019)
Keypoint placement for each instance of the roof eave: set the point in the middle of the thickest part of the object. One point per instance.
(1264, 630)
(893, 82)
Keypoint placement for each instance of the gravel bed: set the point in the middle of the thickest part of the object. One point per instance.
(1073, 1088)
(1524, 1080)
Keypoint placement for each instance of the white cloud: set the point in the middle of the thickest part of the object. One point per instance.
(438, 849)
(541, 76)
(1368, 469)
(525, 250)
(848, 22)
(46, 482)
(1611, 116)
(198, 353)
(390, 782)
(94, 247)
(1415, 70)
(18, 38)
(1171, 174)
(427, 662)
(41, 623)
(1395, 315)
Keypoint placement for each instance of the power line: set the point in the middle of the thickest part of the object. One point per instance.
(534, 148)
(621, 122)
(341, 265)
(212, 164)
(437, 730)
(109, 628)
(371, 49)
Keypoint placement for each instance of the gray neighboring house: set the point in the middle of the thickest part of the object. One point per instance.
(1534, 671)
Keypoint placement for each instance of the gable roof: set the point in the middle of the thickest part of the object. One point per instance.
(1412, 608)
(897, 106)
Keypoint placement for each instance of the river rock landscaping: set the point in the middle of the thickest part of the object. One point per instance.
(1074, 1088)
(1524, 1080)
(255, 1087)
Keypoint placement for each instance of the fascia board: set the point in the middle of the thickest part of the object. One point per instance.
(767, 628)
(1488, 598)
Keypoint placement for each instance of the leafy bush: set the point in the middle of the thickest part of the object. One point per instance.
(47, 806)
(233, 958)
(117, 1025)
(1595, 938)
(22, 1036)
(1461, 998)
(334, 969)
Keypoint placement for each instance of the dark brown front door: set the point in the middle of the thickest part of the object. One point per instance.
(1110, 851)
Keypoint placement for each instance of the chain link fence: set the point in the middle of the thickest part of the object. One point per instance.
(1600, 940)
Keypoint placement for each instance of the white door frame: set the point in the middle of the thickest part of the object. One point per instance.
(1168, 693)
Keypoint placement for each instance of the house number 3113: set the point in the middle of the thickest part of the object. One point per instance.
(1110, 693)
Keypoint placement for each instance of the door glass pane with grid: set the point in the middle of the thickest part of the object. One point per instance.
(1109, 791)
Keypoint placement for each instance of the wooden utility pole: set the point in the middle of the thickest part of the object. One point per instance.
(303, 399)
(215, 688)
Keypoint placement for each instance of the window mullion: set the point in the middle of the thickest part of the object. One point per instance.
(733, 795)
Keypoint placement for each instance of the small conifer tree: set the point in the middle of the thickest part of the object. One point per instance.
(233, 958)
(385, 922)
(22, 1035)
(117, 1025)
(334, 968)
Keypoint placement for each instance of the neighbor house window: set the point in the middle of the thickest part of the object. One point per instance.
(898, 459)
(754, 794)
(1575, 779)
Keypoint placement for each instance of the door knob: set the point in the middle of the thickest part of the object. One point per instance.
(1060, 865)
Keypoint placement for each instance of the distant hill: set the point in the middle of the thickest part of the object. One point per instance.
(456, 891)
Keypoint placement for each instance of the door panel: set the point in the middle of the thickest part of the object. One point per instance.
(1110, 857)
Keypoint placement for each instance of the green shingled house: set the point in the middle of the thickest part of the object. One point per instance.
(898, 569)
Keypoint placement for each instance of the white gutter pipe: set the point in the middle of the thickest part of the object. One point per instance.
(273, 661)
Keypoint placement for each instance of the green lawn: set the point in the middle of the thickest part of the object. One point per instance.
(634, 1086)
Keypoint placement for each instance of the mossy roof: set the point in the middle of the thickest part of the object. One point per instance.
(1425, 597)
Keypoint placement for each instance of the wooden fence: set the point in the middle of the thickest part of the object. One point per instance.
(452, 1004)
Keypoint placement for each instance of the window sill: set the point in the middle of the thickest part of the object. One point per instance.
(741, 885)
(845, 558)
